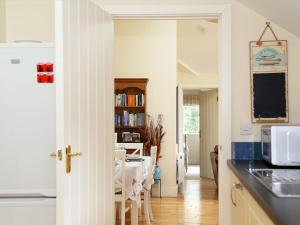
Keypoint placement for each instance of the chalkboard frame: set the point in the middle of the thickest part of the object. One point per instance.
(278, 68)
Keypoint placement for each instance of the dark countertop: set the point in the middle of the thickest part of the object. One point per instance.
(282, 211)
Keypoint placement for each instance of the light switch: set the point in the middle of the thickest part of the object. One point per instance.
(245, 129)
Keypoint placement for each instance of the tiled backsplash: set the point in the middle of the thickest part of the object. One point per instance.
(246, 150)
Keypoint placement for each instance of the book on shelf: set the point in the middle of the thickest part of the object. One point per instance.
(129, 119)
(131, 137)
(129, 100)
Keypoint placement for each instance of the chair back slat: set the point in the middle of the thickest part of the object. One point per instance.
(138, 152)
(120, 156)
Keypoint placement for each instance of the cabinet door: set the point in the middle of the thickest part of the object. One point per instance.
(244, 209)
(256, 215)
(239, 203)
(240, 206)
(253, 218)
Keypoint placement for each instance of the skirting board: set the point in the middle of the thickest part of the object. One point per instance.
(166, 191)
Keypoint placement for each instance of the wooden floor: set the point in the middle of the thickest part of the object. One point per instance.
(198, 204)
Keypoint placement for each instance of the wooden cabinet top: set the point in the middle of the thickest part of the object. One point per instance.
(131, 80)
(122, 83)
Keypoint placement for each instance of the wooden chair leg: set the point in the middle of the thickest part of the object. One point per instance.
(123, 213)
(116, 208)
(150, 207)
(120, 212)
(146, 207)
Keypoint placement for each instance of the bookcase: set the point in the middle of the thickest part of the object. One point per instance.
(130, 109)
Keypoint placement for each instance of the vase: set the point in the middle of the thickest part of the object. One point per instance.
(157, 173)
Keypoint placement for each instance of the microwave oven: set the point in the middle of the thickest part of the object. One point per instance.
(280, 145)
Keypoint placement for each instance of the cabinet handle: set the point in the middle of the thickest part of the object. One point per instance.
(235, 186)
(238, 186)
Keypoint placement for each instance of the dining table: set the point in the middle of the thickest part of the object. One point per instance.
(136, 171)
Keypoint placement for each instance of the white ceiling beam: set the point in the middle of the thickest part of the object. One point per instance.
(187, 67)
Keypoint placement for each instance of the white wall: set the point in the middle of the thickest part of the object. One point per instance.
(148, 49)
(2, 21)
(193, 142)
(247, 25)
(30, 20)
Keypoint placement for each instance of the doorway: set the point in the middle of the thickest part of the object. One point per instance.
(134, 11)
(200, 133)
(197, 75)
(152, 50)
(191, 124)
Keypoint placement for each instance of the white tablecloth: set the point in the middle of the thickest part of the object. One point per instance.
(135, 174)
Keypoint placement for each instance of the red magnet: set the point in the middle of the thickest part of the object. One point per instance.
(50, 67)
(45, 73)
(42, 78)
(39, 67)
(50, 78)
(42, 67)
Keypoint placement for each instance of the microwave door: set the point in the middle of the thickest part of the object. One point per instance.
(266, 145)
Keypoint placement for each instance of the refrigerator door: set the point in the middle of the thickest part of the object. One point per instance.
(27, 121)
(27, 211)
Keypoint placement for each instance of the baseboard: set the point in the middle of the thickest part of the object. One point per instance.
(166, 191)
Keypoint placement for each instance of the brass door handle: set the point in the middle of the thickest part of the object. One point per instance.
(58, 155)
(69, 155)
(74, 154)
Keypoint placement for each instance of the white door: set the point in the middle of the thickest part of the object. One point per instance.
(208, 129)
(84, 113)
(181, 153)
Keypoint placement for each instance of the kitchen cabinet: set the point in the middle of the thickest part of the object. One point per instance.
(245, 210)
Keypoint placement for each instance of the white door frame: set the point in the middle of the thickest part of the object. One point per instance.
(60, 100)
(223, 13)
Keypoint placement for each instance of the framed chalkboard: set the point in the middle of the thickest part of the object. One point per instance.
(269, 81)
(269, 94)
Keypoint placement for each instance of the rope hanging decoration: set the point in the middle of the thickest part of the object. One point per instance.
(259, 42)
(269, 79)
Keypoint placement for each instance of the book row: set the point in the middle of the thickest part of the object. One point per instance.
(129, 119)
(129, 100)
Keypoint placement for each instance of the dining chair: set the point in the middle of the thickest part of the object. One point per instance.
(138, 152)
(120, 188)
(149, 181)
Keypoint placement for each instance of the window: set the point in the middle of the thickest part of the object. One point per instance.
(191, 120)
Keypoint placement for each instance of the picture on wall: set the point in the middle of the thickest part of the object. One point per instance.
(269, 81)
(269, 57)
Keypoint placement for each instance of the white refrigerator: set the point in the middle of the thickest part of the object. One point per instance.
(27, 135)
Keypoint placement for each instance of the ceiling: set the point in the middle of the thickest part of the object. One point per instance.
(285, 13)
(197, 45)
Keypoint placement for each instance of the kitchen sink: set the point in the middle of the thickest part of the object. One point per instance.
(281, 182)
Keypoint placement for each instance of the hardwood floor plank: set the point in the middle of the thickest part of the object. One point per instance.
(197, 204)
